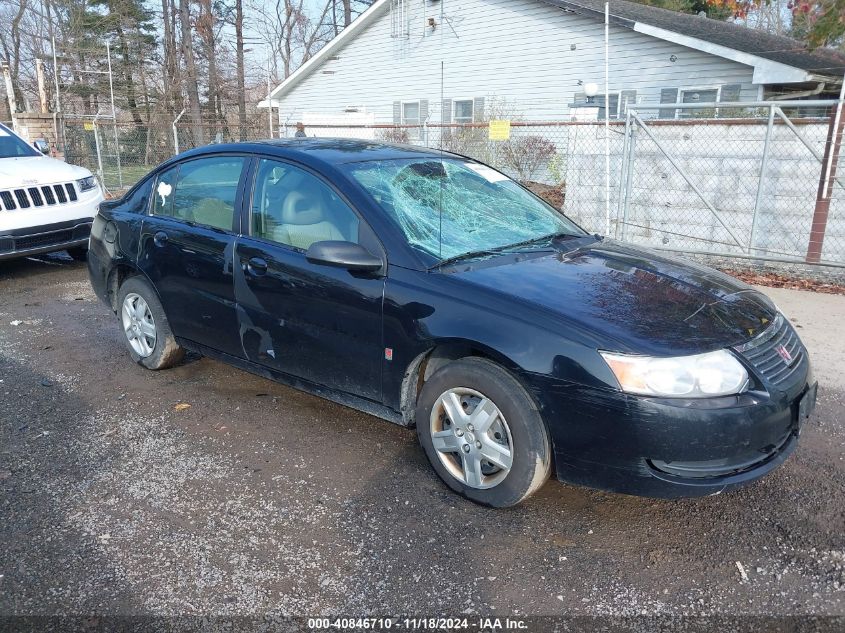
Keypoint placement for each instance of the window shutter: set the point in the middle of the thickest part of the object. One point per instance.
(629, 98)
(612, 106)
(397, 113)
(668, 95)
(446, 111)
(445, 119)
(423, 111)
(478, 109)
(730, 92)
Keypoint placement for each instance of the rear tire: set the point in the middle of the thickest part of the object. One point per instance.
(492, 444)
(146, 330)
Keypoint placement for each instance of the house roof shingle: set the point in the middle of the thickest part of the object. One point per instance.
(735, 36)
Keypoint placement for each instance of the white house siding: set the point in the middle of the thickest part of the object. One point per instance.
(519, 51)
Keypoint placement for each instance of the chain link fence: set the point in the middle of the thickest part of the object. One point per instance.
(753, 181)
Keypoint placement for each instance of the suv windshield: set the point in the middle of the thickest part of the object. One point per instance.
(13, 147)
(453, 207)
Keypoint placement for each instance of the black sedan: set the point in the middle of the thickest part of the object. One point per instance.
(433, 291)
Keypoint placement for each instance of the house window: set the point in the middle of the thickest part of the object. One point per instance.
(463, 111)
(617, 103)
(411, 116)
(698, 95)
(411, 113)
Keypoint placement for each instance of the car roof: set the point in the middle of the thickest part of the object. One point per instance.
(330, 151)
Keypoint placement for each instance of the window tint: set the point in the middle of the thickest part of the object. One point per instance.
(293, 207)
(201, 191)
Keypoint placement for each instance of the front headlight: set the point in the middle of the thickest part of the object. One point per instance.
(700, 376)
(86, 184)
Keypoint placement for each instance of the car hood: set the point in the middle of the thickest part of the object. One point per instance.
(631, 299)
(26, 171)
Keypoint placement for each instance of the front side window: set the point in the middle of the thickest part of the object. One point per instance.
(450, 207)
(463, 111)
(201, 191)
(293, 207)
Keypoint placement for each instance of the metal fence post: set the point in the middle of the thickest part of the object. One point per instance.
(622, 172)
(176, 132)
(117, 156)
(764, 162)
(629, 179)
(99, 153)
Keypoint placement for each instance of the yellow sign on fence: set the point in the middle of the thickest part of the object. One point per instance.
(500, 130)
(88, 126)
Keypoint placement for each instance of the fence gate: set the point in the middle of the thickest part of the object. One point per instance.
(757, 180)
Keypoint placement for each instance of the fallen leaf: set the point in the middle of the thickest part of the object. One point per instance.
(182, 406)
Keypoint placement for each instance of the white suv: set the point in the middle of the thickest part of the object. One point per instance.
(45, 204)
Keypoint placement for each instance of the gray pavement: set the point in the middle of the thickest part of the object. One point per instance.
(116, 498)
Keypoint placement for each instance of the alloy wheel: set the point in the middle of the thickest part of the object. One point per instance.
(138, 324)
(471, 437)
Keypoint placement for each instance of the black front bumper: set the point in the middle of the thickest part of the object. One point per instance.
(47, 238)
(671, 448)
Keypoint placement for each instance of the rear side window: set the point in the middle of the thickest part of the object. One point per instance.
(165, 184)
(201, 191)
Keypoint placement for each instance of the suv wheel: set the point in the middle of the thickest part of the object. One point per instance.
(482, 433)
(146, 330)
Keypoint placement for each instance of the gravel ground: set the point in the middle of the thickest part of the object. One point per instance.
(206, 490)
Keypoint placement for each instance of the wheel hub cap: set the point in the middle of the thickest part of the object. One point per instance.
(471, 437)
(138, 324)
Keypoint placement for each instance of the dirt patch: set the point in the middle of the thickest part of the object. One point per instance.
(553, 194)
(775, 280)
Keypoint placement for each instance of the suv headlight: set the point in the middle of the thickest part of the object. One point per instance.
(716, 373)
(86, 184)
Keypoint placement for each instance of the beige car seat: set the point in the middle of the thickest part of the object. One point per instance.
(213, 212)
(304, 220)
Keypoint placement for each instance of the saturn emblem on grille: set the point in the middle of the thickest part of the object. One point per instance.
(784, 354)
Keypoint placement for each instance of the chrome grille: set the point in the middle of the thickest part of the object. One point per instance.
(44, 195)
(767, 353)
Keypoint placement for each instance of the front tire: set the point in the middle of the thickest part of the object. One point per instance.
(482, 433)
(146, 331)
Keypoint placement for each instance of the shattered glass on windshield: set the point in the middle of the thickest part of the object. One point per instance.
(472, 206)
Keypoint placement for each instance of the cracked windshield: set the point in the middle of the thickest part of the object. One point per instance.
(451, 207)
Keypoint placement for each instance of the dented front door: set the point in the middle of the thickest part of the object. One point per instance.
(318, 323)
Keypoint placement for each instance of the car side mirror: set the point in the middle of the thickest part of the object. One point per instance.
(41, 145)
(348, 255)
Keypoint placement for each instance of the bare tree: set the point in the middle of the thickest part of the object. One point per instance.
(11, 45)
(239, 45)
(191, 76)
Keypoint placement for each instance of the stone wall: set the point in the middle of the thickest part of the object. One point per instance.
(35, 125)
